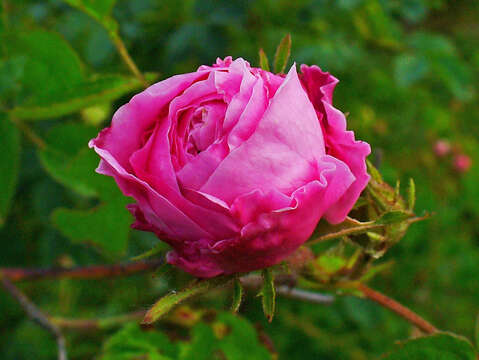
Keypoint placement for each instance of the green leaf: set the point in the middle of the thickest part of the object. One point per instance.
(263, 60)
(237, 295)
(9, 164)
(106, 226)
(241, 341)
(202, 346)
(68, 160)
(375, 175)
(131, 343)
(392, 217)
(167, 302)
(99, 10)
(51, 65)
(282, 54)
(442, 346)
(97, 90)
(268, 294)
(411, 198)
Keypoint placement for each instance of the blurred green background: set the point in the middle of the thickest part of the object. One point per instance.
(408, 72)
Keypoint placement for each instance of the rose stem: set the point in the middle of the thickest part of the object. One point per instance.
(399, 309)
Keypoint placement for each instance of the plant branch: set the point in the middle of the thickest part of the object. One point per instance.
(85, 272)
(125, 56)
(29, 133)
(97, 323)
(36, 315)
(399, 309)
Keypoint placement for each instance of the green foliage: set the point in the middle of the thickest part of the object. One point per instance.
(9, 164)
(97, 90)
(440, 346)
(231, 336)
(263, 60)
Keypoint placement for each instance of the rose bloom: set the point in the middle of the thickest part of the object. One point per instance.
(462, 163)
(234, 166)
(442, 148)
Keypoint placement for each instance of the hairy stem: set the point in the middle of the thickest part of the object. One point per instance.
(399, 309)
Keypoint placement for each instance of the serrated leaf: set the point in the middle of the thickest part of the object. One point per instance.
(392, 217)
(97, 90)
(167, 302)
(281, 57)
(68, 160)
(99, 10)
(411, 198)
(237, 295)
(9, 163)
(51, 65)
(106, 226)
(263, 60)
(268, 294)
(442, 346)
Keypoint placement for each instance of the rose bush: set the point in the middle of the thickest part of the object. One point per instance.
(234, 166)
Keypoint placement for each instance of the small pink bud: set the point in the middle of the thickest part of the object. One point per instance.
(442, 148)
(462, 163)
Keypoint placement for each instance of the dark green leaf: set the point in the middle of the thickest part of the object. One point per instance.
(51, 65)
(442, 346)
(68, 160)
(263, 60)
(237, 295)
(106, 226)
(202, 346)
(241, 343)
(98, 90)
(477, 331)
(158, 249)
(268, 294)
(167, 302)
(132, 343)
(281, 57)
(9, 163)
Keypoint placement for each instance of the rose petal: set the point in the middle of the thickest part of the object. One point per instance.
(282, 152)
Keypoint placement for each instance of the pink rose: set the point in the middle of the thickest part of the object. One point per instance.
(442, 148)
(462, 163)
(234, 166)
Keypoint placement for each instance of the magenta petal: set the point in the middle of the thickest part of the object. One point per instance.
(132, 120)
(282, 152)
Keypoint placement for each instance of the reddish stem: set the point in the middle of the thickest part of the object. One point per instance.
(84, 272)
(399, 309)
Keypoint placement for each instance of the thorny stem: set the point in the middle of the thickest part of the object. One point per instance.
(399, 309)
(97, 323)
(36, 315)
(120, 46)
